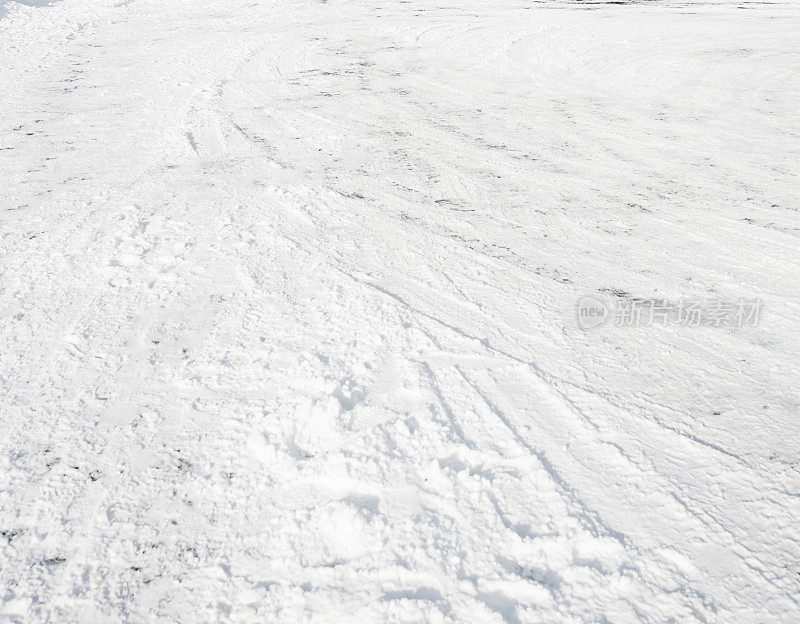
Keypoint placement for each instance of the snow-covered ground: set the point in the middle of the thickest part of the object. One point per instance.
(288, 317)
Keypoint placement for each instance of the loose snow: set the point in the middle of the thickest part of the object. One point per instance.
(288, 311)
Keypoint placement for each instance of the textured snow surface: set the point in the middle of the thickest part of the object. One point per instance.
(287, 311)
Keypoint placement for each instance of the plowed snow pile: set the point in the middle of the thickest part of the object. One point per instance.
(289, 325)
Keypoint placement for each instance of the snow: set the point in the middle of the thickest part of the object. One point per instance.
(288, 311)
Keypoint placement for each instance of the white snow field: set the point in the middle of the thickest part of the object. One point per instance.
(288, 325)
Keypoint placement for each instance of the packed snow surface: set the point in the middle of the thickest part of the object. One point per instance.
(288, 321)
